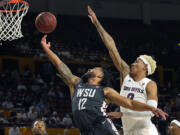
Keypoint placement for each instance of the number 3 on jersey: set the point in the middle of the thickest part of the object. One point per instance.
(130, 96)
(82, 101)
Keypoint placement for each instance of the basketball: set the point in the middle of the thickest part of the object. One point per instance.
(45, 22)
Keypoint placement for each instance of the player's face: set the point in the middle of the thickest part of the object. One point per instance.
(39, 128)
(96, 73)
(137, 66)
(173, 129)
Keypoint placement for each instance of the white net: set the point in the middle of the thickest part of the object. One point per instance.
(11, 16)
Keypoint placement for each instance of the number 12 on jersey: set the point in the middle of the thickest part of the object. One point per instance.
(81, 103)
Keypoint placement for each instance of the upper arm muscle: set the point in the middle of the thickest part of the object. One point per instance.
(151, 90)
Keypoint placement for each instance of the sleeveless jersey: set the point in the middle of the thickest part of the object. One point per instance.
(135, 91)
(88, 105)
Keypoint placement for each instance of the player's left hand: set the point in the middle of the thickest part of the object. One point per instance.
(92, 15)
(44, 42)
(158, 112)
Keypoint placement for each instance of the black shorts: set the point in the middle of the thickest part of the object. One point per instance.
(106, 127)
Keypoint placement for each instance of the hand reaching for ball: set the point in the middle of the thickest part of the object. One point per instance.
(44, 42)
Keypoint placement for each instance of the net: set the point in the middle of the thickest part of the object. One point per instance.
(11, 16)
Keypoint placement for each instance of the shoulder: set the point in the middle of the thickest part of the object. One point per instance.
(151, 83)
(107, 88)
(108, 91)
(151, 86)
(127, 77)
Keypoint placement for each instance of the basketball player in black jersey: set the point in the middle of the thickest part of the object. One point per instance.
(88, 96)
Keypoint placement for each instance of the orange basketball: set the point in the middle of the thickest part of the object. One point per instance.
(46, 22)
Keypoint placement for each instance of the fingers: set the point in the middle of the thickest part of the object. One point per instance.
(165, 115)
(49, 43)
(90, 10)
(162, 114)
(44, 37)
(89, 16)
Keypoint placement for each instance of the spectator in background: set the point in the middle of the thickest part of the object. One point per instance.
(39, 128)
(67, 121)
(22, 116)
(14, 130)
(55, 119)
(32, 114)
(7, 104)
(66, 132)
(174, 128)
(21, 86)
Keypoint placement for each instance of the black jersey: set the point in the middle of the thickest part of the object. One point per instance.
(89, 110)
(88, 104)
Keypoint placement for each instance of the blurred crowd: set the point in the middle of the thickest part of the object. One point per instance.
(26, 98)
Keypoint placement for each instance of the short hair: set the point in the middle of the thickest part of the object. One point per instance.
(35, 122)
(107, 78)
(151, 61)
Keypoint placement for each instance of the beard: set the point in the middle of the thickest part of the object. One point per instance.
(87, 76)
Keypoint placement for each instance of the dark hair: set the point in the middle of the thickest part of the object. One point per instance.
(106, 81)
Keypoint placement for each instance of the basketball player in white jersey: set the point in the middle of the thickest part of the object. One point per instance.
(134, 85)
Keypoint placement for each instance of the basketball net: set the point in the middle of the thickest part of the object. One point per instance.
(11, 16)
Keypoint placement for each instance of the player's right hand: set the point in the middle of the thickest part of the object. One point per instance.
(114, 115)
(44, 42)
(92, 15)
(159, 113)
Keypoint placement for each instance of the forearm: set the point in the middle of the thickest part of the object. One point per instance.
(138, 114)
(138, 106)
(106, 38)
(52, 57)
(119, 63)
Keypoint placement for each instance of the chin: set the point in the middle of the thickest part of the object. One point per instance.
(87, 76)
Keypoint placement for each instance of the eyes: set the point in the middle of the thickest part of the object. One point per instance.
(138, 61)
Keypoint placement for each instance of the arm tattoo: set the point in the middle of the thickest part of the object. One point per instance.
(119, 63)
(65, 73)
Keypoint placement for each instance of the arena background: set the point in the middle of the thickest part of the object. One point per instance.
(29, 87)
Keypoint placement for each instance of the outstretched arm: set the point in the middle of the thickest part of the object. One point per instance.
(65, 72)
(115, 98)
(151, 90)
(119, 63)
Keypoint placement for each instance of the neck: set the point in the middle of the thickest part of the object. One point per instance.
(138, 77)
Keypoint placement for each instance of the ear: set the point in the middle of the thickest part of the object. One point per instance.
(146, 67)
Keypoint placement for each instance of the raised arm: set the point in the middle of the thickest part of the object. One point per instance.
(115, 98)
(119, 63)
(65, 72)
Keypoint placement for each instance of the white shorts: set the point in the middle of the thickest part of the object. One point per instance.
(151, 130)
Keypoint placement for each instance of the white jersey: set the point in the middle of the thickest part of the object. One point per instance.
(136, 91)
